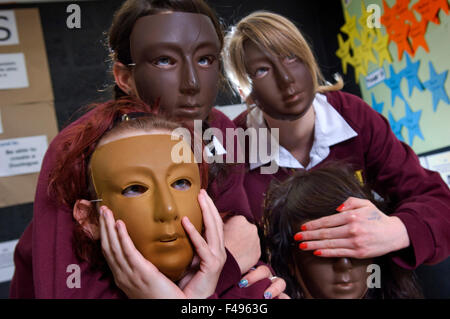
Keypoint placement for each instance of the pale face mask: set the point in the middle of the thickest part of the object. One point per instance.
(136, 178)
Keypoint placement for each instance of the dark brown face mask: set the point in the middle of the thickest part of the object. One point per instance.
(281, 86)
(176, 57)
(137, 179)
(330, 278)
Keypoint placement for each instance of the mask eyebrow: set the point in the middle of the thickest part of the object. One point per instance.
(159, 48)
(175, 47)
(207, 45)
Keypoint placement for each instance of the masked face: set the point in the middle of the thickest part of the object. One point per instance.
(177, 62)
(331, 278)
(139, 182)
(281, 87)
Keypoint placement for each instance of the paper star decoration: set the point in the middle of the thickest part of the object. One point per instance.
(377, 106)
(344, 52)
(388, 18)
(441, 4)
(366, 49)
(436, 85)
(410, 73)
(359, 63)
(350, 27)
(402, 11)
(396, 126)
(363, 20)
(400, 37)
(381, 46)
(428, 10)
(411, 122)
(393, 82)
(417, 35)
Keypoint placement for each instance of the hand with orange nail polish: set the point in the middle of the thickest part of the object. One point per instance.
(360, 230)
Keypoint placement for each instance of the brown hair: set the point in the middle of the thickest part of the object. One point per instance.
(277, 35)
(127, 15)
(308, 195)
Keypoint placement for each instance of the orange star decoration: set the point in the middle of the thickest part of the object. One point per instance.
(381, 46)
(417, 35)
(350, 27)
(344, 52)
(441, 5)
(429, 10)
(402, 12)
(388, 19)
(400, 37)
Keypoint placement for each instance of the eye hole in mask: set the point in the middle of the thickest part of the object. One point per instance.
(181, 184)
(134, 190)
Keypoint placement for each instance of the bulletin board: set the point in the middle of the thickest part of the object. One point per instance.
(27, 116)
(401, 61)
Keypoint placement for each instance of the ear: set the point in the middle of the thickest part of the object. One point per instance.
(81, 211)
(242, 95)
(124, 78)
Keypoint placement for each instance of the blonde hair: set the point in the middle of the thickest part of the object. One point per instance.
(277, 35)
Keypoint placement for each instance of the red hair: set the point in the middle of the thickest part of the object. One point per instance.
(70, 180)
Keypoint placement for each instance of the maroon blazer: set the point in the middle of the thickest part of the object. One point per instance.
(420, 196)
(44, 251)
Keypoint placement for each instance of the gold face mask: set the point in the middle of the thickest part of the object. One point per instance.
(136, 178)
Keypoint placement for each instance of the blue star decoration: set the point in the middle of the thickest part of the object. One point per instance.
(377, 106)
(410, 73)
(411, 122)
(436, 85)
(396, 126)
(393, 82)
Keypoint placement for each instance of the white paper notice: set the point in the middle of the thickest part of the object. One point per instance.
(8, 28)
(13, 72)
(440, 163)
(22, 155)
(7, 260)
(1, 125)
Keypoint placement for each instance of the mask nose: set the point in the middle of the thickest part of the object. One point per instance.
(165, 207)
(343, 264)
(189, 79)
(284, 75)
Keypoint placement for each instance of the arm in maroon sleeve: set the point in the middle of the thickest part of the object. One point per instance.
(230, 197)
(52, 234)
(230, 276)
(421, 198)
(22, 285)
(228, 192)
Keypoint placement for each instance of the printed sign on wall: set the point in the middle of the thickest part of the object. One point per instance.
(13, 72)
(22, 155)
(8, 28)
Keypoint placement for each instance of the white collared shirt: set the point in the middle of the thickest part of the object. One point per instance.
(330, 128)
(215, 147)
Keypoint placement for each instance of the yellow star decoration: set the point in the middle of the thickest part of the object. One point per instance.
(381, 46)
(363, 20)
(344, 52)
(359, 63)
(350, 27)
(366, 49)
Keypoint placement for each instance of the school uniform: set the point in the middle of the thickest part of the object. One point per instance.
(45, 250)
(347, 129)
